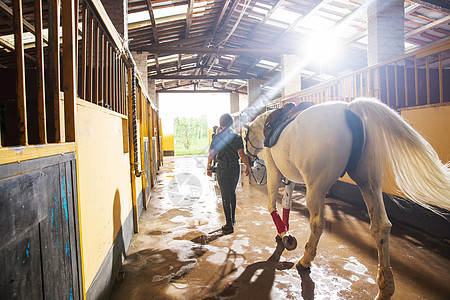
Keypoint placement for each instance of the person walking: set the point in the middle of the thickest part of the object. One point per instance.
(228, 147)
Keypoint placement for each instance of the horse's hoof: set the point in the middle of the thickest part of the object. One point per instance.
(304, 263)
(290, 242)
(278, 238)
(301, 268)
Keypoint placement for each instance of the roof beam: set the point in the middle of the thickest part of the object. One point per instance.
(153, 21)
(222, 12)
(194, 77)
(5, 8)
(155, 33)
(427, 27)
(190, 10)
(220, 51)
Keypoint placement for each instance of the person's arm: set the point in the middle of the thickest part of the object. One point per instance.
(211, 155)
(244, 159)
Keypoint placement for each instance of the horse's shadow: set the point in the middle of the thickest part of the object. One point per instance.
(207, 238)
(246, 286)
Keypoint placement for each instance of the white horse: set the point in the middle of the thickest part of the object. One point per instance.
(367, 140)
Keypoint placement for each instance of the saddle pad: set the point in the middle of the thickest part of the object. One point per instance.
(272, 138)
(272, 135)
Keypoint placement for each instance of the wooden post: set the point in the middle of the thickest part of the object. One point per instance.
(54, 70)
(416, 80)
(69, 22)
(40, 73)
(406, 84)
(396, 84)
(84, 63)
(20, 80)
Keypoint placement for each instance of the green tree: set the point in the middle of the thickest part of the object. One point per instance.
(191, 135)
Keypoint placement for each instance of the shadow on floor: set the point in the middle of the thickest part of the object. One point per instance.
(246, 286)
(146, 273)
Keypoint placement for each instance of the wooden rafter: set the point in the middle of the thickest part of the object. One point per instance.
(221, 14)
(190, 10)
(223, 51)
(5, 8)
(193, 77)
(155, 32)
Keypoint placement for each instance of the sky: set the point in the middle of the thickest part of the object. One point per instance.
(192, 105)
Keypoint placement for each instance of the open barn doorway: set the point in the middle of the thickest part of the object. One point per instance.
(188, 120)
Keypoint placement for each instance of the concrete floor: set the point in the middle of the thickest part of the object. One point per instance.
(180, 253)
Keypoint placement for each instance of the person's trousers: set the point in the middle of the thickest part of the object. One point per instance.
(228, 177)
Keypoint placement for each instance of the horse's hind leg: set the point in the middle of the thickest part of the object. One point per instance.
(287, 203)
(380, 228)
(315, 202)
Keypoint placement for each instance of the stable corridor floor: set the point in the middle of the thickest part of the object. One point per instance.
(181, 253)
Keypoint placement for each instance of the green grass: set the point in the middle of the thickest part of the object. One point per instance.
(198, 146)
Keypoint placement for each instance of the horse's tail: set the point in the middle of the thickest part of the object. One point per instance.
(394, 148)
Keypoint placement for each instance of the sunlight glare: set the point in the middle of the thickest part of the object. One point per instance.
(322, 47)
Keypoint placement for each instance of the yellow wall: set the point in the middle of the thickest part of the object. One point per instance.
(104, 182)
(433, 123)
(168, 142)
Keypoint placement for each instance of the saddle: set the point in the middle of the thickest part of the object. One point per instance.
(279, 119)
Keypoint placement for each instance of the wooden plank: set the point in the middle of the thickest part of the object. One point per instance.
(90, 75)
(160, 49)
(106, 74)
(54, 67)
(84, 53)
(416, 80)
(101, 65)
(114, 80)
(123, 83)
(18, 154)
(66, 275)
(51, 246)
(21, 276)
(119, 84)
(42, 123)
(95, 39)
(69, 24)
(72, 228)
(189, 12)
(110, 79)
(20, 79)
(406, 82)
(108, 23)
(76, 222)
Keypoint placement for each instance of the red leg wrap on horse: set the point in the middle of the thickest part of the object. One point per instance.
(278, 223)
(286, 217)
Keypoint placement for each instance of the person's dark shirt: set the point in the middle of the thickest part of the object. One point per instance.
(227, 144)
